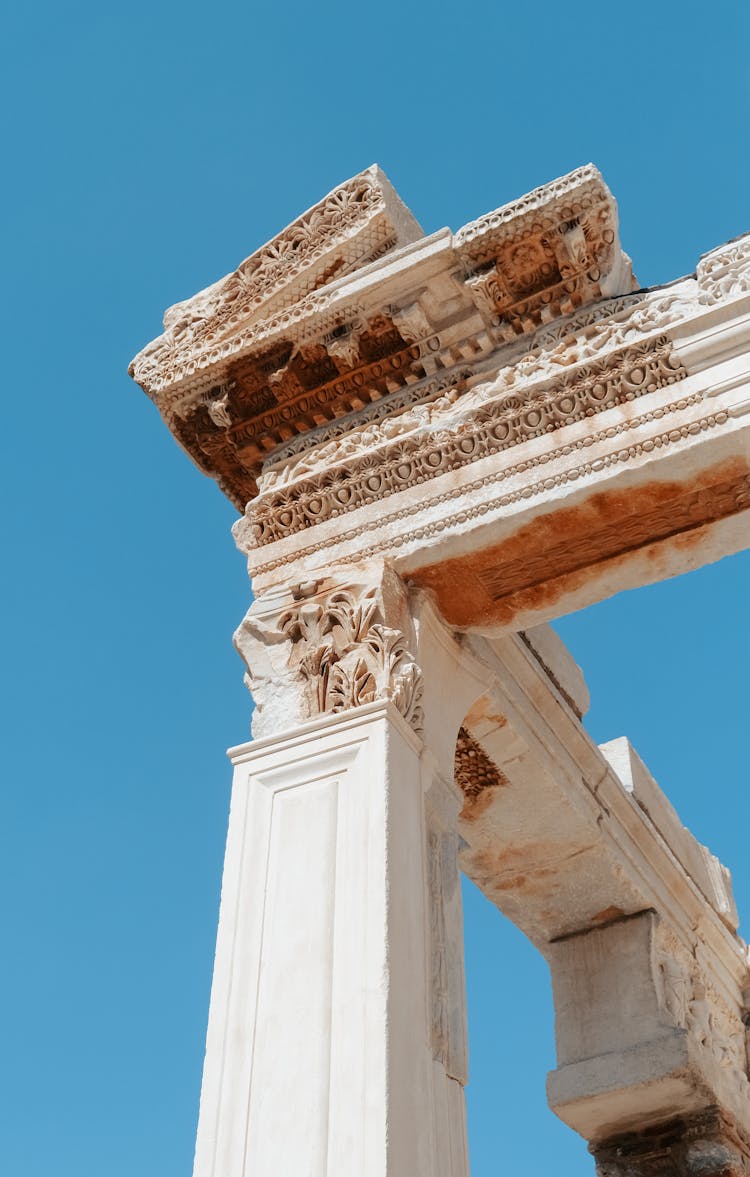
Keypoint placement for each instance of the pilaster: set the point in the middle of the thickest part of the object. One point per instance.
(480, 430)
(337, 1032)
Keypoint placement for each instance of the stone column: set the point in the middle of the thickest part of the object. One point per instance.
(337, 1037)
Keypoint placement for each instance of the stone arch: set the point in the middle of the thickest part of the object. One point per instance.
(579, 848)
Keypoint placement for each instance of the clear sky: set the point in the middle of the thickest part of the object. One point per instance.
(148, 147)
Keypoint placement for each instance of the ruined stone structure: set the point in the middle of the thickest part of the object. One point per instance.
(438, 444)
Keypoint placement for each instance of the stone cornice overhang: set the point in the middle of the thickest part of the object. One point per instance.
(518, 444)
(685, 444)
(246, 366)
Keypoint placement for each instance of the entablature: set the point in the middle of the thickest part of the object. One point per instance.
(498, 411)
(351, 307)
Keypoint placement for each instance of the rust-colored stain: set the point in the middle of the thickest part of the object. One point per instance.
(560, 551)
(475, 806)
(609, 913)
(272, 396)
(496, 718)
(533, 869)
(482, 711)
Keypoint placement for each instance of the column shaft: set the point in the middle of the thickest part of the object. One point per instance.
(320, 1057)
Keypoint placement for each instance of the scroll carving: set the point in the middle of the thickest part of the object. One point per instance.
(725, 273)
(673, 975)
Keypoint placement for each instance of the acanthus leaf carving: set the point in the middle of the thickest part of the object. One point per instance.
(412, 323)
(338, 648)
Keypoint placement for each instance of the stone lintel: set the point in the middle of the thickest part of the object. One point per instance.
(517, 506)
(567, 845)
(701, 865)
(578, 846)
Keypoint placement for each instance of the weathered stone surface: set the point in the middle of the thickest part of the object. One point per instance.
(497, 412)
(708, 1144)
(250, 372)
(704, 868)
(579, 847)
(438, 443)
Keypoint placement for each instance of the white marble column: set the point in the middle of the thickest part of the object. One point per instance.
(337, 1039)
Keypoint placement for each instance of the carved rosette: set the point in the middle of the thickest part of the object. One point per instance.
(328, 649)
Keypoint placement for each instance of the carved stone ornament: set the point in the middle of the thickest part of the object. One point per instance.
(689, 993)
(724, 273)
(418, 445)
(350, 358)
(709, 1143)
(347, 657)
(361, 392)
(347, 307)
(436, 443)
(474, 772)
(329, 648)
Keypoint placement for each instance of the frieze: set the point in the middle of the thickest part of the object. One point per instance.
(691, 1002)
(283, 333)
(245, 540)
(363, 381)
(421, 450)
(280, 467)
(725, 273)
(352, 358)
(552, 352)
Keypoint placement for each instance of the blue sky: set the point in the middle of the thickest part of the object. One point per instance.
(148, 148)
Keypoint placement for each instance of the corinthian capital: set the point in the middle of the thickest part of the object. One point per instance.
(329, 645)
